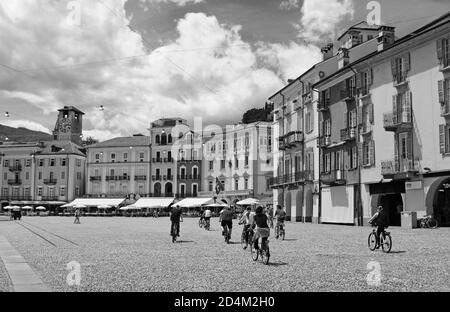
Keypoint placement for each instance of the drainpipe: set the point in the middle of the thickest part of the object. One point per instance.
(303, 146)
(319, 216)
(360, 216)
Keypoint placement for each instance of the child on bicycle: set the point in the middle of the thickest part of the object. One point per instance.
(261, 227)
(247, 219)
(280, 216)
(381, 221)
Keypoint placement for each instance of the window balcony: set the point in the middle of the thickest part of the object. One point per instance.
(400, 78)
(397, 121)
(15, 182)
(140, 178)
(400, 169)
(445, 109)
(95, 178)
(168, 178)
(366, 128)
(294, 139)
(324, 141)
(444, 64)
(156, 178)
(335, 177)
(50, 181)
(348, 134)
(297, 178)
(157, 160)
(15, 168)
(323, 105)
(348, 94)
(16, 198)
(168, 160)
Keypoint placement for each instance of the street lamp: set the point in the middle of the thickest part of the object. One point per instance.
(7, 114)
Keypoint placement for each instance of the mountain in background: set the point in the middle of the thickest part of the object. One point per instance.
(22, 135)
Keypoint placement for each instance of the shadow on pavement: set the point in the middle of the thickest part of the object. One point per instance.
(398, 252)
(277, 264)
(289, 240)
(184, 242)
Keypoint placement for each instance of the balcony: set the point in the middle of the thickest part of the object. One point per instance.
(50, 198)
(348, 94)
(15, 182)
(444, 63)
(335, 177)
(50, 181)
(400, 169)
(168, 178)
(156, 178)
(324, 141)
(445, 109)
(400, 78)
(15, 168)
(157, 160)
(95, 179)
(168, 160)
(117, 178)
(297, 178)
(140, 178)
(400, 121)
(366, 128)
(16, 198)
(294, 139)
(323, 105)
(348, 134)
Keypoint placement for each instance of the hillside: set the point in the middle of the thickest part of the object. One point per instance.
(22, 135)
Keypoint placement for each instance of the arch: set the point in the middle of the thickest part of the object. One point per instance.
(195, 171)
(170, 139)
(182, 190)
(157, 189)
(194, 189)
(163, 139)
(439, 197)
(158, 139)
(299, 206)
(168, 189)
(431, 198)
(309, 205)
(183, 168)
(288, 205)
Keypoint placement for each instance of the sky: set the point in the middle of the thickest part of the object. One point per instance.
(147, 59)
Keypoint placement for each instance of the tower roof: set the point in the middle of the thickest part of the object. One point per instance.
(71, 108)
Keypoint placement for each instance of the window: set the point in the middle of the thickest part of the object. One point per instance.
(52, 162)
(210, 186)
(27, 176)
(236, 163)
(97, 158)
(39, 191)
(40, 176)
(443, 52)
(41, 163)
(5, 192)
(62, 191)
(142, 156)
(28, 163)
(125, 157)
(77, 191)
(444, 96)
(444, 139)
(63, 175)
(327, 127)
(113, 157)
(400, 67)
(6, 163)
(236, 185)
(78, 162)
(246, 184)
(246, 160)
(63, 162)
(27, 192)
(211, 165)
(222, 164)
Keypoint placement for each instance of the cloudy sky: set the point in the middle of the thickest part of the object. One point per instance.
(147, 59)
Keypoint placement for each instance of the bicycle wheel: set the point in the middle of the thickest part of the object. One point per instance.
(200, 224)
(386, 243)
(283, 234)
(432, 223)
(265, 255)
(254, 252)
(372, 242)
(243, 241)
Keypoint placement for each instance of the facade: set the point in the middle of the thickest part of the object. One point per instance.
(189, 164)
(164, 133)
(49, 172)
(119, 168)
(240, 158)
(384, 129)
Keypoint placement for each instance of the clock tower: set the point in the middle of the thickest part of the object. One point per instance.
(69, 125)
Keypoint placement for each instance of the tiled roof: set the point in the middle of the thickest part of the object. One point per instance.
(61, 147)
(124, 142)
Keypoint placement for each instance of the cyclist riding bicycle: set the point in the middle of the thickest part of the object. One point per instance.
(207, 216)
(270, 215)
(381, 221)
(176, 216)
(226, 219)
(261, 227)
(280, 216)
(247, 220)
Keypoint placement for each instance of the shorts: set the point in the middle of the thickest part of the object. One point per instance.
(229, 224)
(262, 233)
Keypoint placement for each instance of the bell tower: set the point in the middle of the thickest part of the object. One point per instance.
(69, 125)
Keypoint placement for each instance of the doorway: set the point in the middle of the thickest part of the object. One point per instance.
(393, 205)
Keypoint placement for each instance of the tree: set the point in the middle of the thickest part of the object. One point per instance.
(257, 114)
(89, 141)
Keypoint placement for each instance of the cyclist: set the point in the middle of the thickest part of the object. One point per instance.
(261, 227)
(226, 219)
(176, 217)
(381, 221)
(77, 217)
(207, 216)
(280, 216)
(270, 215)
(247, 219)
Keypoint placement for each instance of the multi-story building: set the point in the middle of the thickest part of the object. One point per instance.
(189, 164)
(119, 167)
(240, 158)
(298, 133)
(49, 172)
(385, 129)
(163, 134)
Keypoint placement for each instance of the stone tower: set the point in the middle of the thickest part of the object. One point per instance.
(69, 125)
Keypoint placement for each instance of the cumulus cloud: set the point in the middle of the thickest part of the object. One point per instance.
(320, 18)
(289, 5)
(218, 84)
(146, 4)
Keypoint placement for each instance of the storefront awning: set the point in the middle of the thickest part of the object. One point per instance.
(154, 202)
(194, 202)
(95, 202)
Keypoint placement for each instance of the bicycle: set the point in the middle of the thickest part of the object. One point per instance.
(385, 241)
(263, 252)
(207, 225)
(280, 231)
(201, 223)
(428, 222)
(226, 234)
(175, 231)
(246, 237)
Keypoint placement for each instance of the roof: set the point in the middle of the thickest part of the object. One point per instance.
(362, 26)
(61, 147)
(72, 108)
(124, 142)
(428, 27)
(95, 202)
(153, 202)
(194, 202)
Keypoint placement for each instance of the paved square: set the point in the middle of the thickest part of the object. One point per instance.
(136, 254)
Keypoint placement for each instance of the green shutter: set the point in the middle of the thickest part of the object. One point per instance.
(360, 156)
(441, 91)
(371, 113)
(442, 138)
(372, 153)
(440, 54)
(407, 60)
(370, 77)
(393, 67)
(345, 119)
(394, 107)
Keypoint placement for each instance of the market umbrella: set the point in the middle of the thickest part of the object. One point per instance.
(27, 208)
(217, 205)
(124, 208)
(104, 207)
(248, 202)
(79, 206)
(41, 208)
(16, 208)
(8, 208)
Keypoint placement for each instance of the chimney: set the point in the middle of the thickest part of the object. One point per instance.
(386, 37)
(343, 58)
(327, 51)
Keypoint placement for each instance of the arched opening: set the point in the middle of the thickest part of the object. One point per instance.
(194, 190)
(288, 202)
(182, 190)
(170, 139)
(168, 190)
(309, 205)
(157, 189)
(195, 172)
(163, 139)
(299, 206)
(441, 203)
(158, 139)
(393, 205)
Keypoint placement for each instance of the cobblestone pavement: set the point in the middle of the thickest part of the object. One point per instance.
(136, 254)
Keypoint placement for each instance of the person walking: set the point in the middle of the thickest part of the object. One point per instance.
(77, 216)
